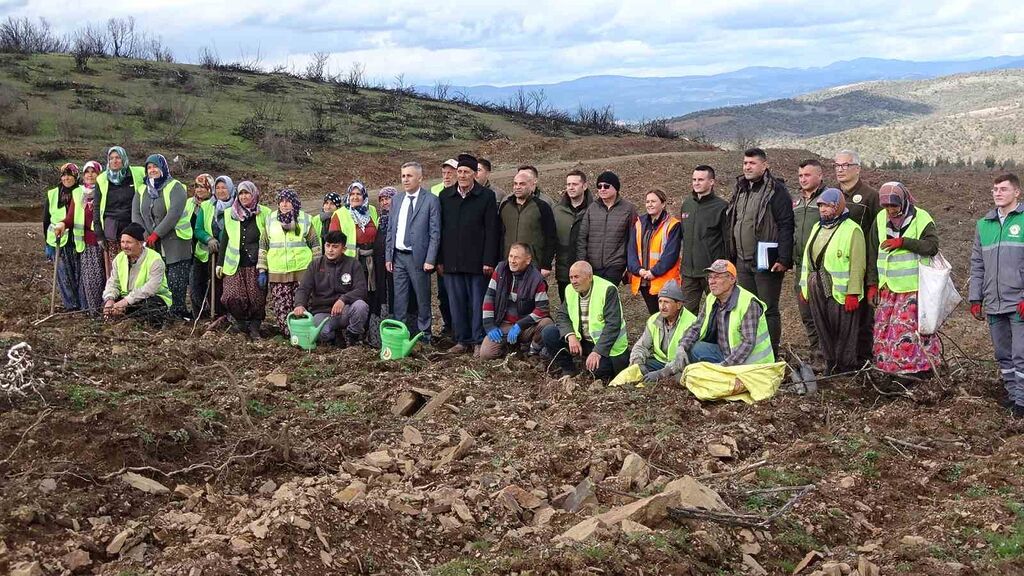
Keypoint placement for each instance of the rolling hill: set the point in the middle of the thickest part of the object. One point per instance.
(645, 98)
(967, 116)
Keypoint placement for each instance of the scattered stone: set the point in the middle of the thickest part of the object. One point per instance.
(449, 523)
(117, 542)
(278, 380)
(361, 470)
(380, 459)
(407, 403)
(581, 531)
(24, 514)
(833, 569)
(913, 541)
(26, 569)
(581, 497)
(531, 425)
(514, 497)
(76, 560)
(752, 548)
(721, 451)
(811, 557)
(449, 455)
(755, 568)
(268, 487)
(300, 522)
(241, 546)
(355, 490)
(597, 470)
(435, 403)
(350, 388)
(99, 521)
(260, 528)
(847, 482)
(3, 548)
(542, 516)
(412, 436)
(47, 485)
(460, 508)
(426, 392)
(118, 350)
(648, 511)
(147, 485)
(399, 506)
(630, 528)
(693, 494)
(136, 553)
(634, 472)
(326, 558)
(322, 538)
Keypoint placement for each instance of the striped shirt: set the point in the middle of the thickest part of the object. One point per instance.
(541, 306)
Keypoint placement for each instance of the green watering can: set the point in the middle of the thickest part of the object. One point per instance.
(304, 332)
(394, 340)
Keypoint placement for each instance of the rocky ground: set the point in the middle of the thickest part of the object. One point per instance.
(187, 451)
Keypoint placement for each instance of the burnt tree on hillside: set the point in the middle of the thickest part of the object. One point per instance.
(24, 36)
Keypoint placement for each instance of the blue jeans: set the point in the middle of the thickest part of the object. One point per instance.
(706, 352)
(653, 365)
(466, 301)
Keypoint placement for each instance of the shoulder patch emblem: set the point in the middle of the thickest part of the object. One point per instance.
(857, 198)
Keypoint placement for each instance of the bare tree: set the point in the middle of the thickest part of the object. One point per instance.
(519, 103)
(356, 77)
(159, 51)
(538, 101)
(23, 36)
(317, 68)
(441, 90)
(124, 42)
(208, 58)
(91, 40)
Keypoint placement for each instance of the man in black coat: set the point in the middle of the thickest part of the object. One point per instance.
(470, 235)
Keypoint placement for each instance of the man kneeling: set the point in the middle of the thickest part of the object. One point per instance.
(590, 324)
(656, 351)
(730, 329)
(515, 305)
(334, 287)
(137, 286)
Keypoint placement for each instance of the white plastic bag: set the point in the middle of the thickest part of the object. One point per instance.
(936, 295)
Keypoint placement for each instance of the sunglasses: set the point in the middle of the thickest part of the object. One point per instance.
(604, 186)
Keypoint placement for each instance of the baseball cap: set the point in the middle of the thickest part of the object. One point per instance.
(451, 162)
(720, 266)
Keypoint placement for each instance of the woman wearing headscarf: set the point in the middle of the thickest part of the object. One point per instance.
(906, 237)
(244, 296)
(385, 280)
(117, 186)
(332, 200)
(161, 209)
(202, 230)
(358, 220)
(79, 218)
(832, 280)
(56, 205)
(287, 248)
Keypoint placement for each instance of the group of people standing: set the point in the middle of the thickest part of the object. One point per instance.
(711, 276)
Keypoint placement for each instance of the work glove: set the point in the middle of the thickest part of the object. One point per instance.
(1020, 309)
(152, 240)
(50, 252)
(261, 279)
(513, 333)
(976, 310)
(872, 293)
(653, 376)
(495, 334)
(212, 245)
(892, 244)
(852, 303)
(219, 271)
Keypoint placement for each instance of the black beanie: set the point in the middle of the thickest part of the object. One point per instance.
(135, 231)
(468, 161)
(609, 177)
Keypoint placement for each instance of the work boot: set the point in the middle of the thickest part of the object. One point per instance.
(1017, 411)
(254, 330)
(353, 338)
(458, 349)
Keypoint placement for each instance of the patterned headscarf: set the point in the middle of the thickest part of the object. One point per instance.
(288, 218)
(155, 185)
(834, 197)
(116, 177)
(896, 194)
(241, 211)
(385, 192)
(333, 197)
(90, 190)
(223, 205)
(361, 213)
(64, 192)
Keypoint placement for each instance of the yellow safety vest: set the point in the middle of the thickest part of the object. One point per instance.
(836, 261)
(897, 269)
(347, 225)
(762, 352)
(102, 184)
(183, 227)
(683, 323)
(288, 250)
(78, 225)
(146, 260)
(57, 215)
(595, 316)
(205, 222)
(232, 252)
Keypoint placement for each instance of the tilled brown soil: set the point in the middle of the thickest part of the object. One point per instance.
(320, 476)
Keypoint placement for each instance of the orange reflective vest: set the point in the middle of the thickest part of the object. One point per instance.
(654, 250)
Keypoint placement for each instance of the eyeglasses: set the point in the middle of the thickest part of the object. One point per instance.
(846, 165)
(604, 186)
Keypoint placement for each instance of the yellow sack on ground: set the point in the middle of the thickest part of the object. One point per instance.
(630, 375)
(748, 383)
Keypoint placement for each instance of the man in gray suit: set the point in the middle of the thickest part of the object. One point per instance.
(414, 235)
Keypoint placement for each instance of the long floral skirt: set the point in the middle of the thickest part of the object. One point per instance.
(898, 348)
(91, 280)
(243, 298)
(284, 302)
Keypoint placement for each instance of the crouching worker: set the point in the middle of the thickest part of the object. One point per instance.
(730, 328)
(334, 287)
(656, 351)
(137, 286)
(589, 325)
(515, 305)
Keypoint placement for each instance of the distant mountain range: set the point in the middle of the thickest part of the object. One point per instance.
(962, 116)
(648, 98)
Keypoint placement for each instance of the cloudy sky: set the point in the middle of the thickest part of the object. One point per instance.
(486, 42)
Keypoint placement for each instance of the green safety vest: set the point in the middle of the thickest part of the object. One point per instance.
(79, 223)
(347, 225)
(683, 323)
(836, 261)
(762, 352)
(58, 214)
(288, 251)
(102, 184)
(183, 227)
(205, 222)
(436, 188)
(146, 260)
(897, 269)
(596, 314)
(318, 227)
(232, 252)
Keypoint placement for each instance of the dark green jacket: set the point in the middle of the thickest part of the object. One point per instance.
(705, 228)
(532, 223)
(567, 223)
(805, 216)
